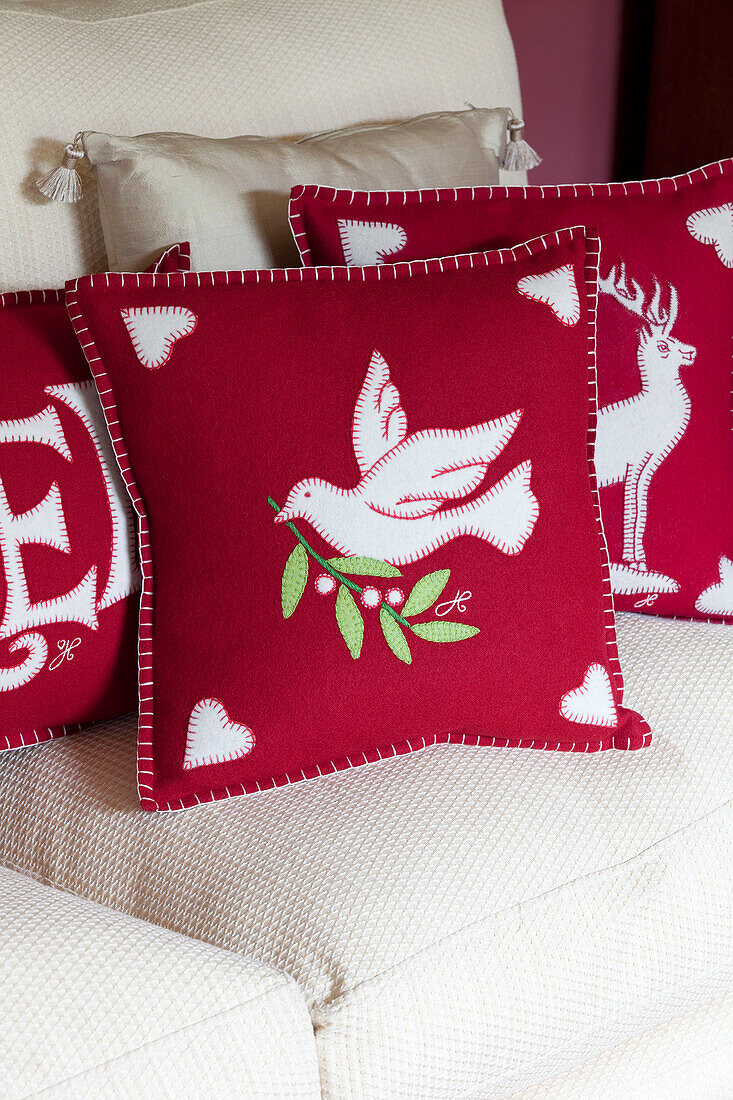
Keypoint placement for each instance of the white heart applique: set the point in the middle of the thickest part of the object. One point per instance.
(715, 226)
(367, 243)
(717, 599)
(557, 289)
(155, 329)
(213, 738)
(592, 703)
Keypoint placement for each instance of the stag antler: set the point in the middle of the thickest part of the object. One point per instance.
(659, 316)
(630, 295)
(624, 289)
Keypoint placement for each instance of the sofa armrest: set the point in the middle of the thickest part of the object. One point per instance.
(97, 1003)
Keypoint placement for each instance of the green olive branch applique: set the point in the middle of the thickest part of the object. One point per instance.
(349, 618)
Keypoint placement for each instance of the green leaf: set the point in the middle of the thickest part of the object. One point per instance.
(426, 592)
(295, 578)
(394, 637)
(364, 567)
(349, 620)
(438, 630)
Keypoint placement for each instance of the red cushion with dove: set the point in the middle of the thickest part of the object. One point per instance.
(361, 532)
(664, 453)
(69, 581)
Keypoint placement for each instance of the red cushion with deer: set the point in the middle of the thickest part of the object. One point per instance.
(663, 453)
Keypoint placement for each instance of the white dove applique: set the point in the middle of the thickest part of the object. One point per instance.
(395, 513)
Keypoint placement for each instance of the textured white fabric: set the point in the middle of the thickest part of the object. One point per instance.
(229, 196)
(217, 68)
(530, 992)
(462, 921)
(689, 1058)
(99, 1004)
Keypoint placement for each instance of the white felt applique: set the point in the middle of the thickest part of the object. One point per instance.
(367, 243)
(630, 580)
(44, 428)
(592, 703)
(635, 436)
(36, 651)
(557, 289)
(155, 329)
(397, 512)
(715, 226)
(213, 737)
(717, 599)
(123, 576)
(44, 525)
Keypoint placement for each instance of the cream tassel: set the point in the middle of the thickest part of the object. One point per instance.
(518, 155)
(64, 184)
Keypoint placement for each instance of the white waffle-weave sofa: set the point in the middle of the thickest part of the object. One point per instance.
(459, 924)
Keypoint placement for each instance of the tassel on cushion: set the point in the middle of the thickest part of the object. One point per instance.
(519, 156)
(63, 183)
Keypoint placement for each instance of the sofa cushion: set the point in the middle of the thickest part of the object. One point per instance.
(230, 195)
(480, 915)
(131, 66)
(391, 457)
(69, 578)
(97, 1003)
(689, 1057)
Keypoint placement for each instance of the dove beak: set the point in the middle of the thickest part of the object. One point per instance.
(281, 516)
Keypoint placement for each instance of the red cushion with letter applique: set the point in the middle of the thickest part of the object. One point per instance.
(665, 316)
(69, 582)
(365, 526)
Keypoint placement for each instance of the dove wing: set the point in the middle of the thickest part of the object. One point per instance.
(432, 467)
(380, 422)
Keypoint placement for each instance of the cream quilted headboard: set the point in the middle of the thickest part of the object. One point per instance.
(215, 67)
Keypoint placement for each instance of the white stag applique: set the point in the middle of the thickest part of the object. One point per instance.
(408, 502)
(636, 435)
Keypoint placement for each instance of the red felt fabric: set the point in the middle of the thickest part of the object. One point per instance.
(61, 665)
(682, 434)
(258, 391)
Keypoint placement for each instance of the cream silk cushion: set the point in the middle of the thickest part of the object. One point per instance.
(229, 197)
(216, 68)
(462, 922)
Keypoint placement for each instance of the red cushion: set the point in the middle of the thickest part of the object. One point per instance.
(69, 581)
(664, 455)
(269, 422)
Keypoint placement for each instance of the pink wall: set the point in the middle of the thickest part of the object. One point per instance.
(569, 58)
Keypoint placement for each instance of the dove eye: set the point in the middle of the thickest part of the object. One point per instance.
(306, 494)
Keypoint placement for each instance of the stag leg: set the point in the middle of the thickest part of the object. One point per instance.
(642, 493)
(631, 496)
